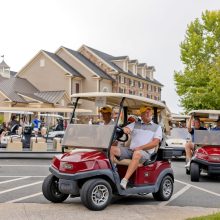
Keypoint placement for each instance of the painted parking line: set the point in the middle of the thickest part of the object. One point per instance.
(20, 187)
(20, 178)
(200, 188)
(25, 197)
(176, 195)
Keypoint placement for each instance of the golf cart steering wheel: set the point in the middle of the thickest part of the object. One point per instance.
(120, 135)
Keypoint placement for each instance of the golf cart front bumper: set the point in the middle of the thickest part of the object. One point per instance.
(68, 183)
(178, 151)
(212, 168)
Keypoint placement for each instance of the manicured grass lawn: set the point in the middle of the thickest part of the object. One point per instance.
(215, 216)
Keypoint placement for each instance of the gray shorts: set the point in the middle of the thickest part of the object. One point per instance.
(127, 153)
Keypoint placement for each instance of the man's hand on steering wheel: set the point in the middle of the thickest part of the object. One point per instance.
(121, 135)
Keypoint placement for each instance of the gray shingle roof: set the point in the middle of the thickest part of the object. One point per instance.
(50, 96)
(89, 64)
(15, 88)
(108, 58)
(11, 87)
(65, 65)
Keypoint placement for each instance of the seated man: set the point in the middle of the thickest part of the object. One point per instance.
(106, 112)
(189, 147)
(145, 137)
(217, 128)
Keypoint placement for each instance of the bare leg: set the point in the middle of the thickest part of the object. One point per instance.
(133, 164)
(114, 151)
(189, 149)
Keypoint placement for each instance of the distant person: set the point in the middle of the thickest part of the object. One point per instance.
(36, 125)
(190, 146)
(4, 128)
(106, 112)
(59, 126)
(13, 124)
(217, 127)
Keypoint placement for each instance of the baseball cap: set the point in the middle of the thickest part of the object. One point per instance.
(106, 109)
(145, 108)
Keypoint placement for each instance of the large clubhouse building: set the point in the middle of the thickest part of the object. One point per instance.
(49, 79)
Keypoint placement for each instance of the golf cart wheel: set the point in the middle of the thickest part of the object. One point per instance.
(96, 194)
(51, 191)
(166, 189)
(194, 172)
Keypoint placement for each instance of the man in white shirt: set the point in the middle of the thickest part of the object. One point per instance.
(145, 137)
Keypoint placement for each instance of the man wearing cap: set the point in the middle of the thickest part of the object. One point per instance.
(189, 147)
(217, 128)
(106, 112)
(145, 137)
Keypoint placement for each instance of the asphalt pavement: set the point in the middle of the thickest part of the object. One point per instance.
(28, 211)
(21, 197)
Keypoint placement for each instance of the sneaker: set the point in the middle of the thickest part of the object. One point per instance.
(187, 165)
(123, 183)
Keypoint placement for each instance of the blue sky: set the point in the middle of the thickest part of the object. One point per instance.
(147, 30)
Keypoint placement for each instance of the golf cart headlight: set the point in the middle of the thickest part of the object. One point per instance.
(202, 155)
(67, 166)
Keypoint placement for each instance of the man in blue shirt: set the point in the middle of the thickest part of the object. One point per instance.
(189, 147)
(36, 122)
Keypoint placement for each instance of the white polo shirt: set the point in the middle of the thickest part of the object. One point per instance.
(142, 133)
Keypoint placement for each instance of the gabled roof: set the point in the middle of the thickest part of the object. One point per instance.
(21, 90)
(142, 64)
(89, 64)
(120, 58)
(106, 57)
(65, 65)
(12, 86)
(109, 58)
(132, 61)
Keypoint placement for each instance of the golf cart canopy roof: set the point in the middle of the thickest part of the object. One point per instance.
(206, 115)
(176, 117)
(26, 109)
(114, 99)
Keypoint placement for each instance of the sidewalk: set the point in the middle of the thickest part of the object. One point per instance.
(30, 211)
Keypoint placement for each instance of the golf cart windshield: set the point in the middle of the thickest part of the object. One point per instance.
(88, 136)
(179, 133)
(203, 137)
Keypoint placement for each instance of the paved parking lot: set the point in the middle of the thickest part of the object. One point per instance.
(21, 181)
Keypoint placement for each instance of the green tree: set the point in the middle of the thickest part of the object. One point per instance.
(198, 84)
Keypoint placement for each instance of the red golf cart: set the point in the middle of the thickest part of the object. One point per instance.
(206, 157)
(88, 172)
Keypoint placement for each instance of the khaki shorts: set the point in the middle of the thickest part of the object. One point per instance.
(127, 153)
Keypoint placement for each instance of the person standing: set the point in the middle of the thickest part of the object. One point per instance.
(36, 123)
(190, 146)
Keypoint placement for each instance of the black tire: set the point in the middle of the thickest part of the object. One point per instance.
(165, 190)
(194, 172)
(187, 171)
(92, 190)
(50, 190)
